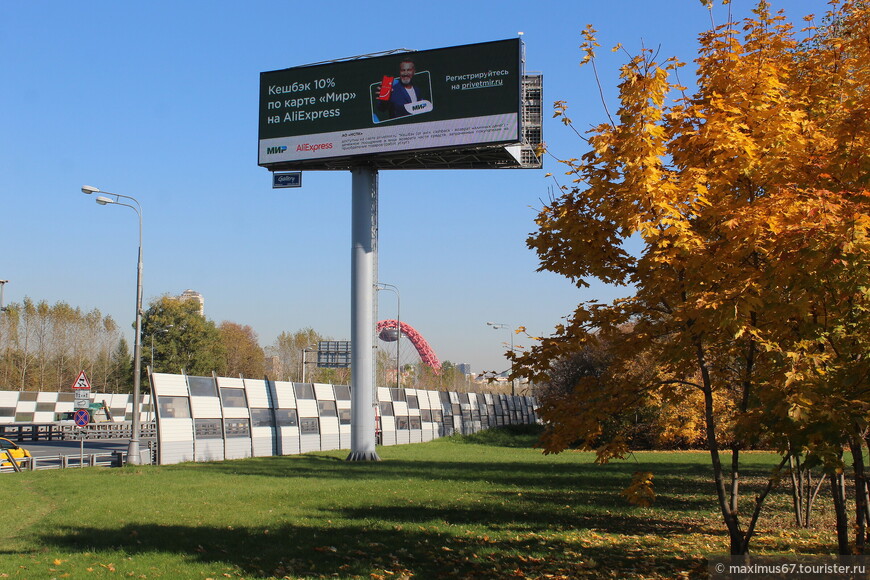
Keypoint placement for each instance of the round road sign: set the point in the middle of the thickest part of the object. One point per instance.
(82, 417)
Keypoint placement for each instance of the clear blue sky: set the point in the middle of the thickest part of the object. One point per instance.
(159, 99)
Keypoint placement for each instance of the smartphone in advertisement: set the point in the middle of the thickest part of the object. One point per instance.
(386, 88)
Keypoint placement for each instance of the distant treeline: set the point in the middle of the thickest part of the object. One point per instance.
(43, 348)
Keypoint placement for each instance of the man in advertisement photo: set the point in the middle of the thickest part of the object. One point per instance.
(402, 96)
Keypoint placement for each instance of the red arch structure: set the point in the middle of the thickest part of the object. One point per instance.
(427, 355)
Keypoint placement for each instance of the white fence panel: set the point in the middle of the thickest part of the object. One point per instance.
(343, 424)
(205, 407)
(286, 418)
(174, 419)
(284, 397)
(234, 400)
(323, 392)
(257, 391)
(327, 412)
(176, 441)
(388, 429)
(238, 438)
(343, 403)
(43, 411)
(8, 406)
(264, 436)
(237, 417)
(208, 438)
(169, 385)
(414, 419)
(429, 403)
(309, 433)
(403, 432)
(289, 440)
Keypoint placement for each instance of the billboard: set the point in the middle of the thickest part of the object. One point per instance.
(444, 99)
(333, 354)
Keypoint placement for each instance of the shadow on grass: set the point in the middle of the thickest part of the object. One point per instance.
(530, 517)
(357, 550)
(680, 486)
(513, 436)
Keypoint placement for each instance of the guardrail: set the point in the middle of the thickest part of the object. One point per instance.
(104, 459)
(32, 431)
(22, 432)
(107, 459)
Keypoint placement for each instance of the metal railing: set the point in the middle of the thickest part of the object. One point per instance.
(32, 431)
(21, 432)
(107, 459)
(102, 459)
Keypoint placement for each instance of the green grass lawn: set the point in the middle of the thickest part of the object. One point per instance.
(484, 506)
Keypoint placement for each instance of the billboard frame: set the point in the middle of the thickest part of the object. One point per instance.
(334, 354)
(507, 149)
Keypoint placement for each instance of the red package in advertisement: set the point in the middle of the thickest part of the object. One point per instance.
(386, 88)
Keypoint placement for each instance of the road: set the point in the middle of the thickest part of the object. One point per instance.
(53, 448)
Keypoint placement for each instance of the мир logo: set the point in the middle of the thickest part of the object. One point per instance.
(274, 150)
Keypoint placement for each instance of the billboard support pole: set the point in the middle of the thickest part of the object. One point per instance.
(364, 231)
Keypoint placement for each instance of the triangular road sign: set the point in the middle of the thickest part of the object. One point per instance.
(82, 382)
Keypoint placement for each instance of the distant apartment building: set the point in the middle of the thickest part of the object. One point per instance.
(464, 368)
(274, 367)
(192, 295)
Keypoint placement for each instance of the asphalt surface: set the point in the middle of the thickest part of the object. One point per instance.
(52, 448)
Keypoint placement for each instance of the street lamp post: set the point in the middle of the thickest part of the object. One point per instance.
(499, 326)
(307, 349)
(390, 287)
(133, 456)
(2, 308)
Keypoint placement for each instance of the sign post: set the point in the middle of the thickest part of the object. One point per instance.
(362, 330)
(82, 416)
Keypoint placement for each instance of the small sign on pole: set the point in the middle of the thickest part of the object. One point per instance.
(82, 391)
(82, 418)
(82, 382)
(292, 179)
(82, 399)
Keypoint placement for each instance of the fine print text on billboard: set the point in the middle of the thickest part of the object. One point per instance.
(455, 97)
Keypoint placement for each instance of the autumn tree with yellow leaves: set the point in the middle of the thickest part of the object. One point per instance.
(750, 196)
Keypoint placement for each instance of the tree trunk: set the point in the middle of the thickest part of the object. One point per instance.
(866, 491)
(732, 523)
(857, 447)
(811, 497)
(840, 513)
(797, 489)
(759, 502)
(735, 477)
(744, 407)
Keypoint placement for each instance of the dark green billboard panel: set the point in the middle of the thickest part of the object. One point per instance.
(450, 99)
